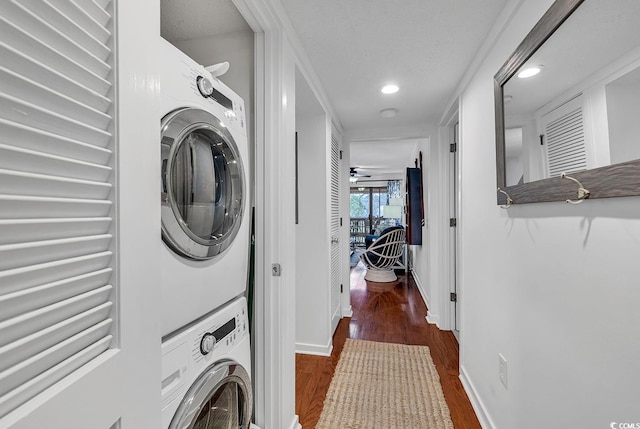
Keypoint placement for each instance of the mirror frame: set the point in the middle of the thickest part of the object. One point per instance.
(617, 180)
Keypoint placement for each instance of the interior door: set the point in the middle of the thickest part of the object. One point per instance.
(453, 223)
(335, 233)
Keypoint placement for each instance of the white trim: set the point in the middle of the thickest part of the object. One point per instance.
(345, 212)
(442, 310)
(315, 349)
(304, 64)
(347, 311)
(431, 318)
(295, 424)
(274, 333)
(425, 298)
(476, 402)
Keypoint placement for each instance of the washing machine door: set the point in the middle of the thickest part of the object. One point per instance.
(202, 184)
(220, 398)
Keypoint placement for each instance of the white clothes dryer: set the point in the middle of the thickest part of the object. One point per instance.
(206, 370)
(205, 226)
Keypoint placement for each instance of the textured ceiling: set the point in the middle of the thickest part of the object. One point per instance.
(194, 19)
(424, 46)
(382, 159)
(356, 46)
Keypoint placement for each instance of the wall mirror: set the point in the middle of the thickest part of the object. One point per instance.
(579, 111)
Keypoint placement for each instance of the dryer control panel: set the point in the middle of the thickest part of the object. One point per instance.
(219, 94)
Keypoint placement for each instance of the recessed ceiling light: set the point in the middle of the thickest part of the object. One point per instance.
(389, 89)
(528, 72)
(388, 113)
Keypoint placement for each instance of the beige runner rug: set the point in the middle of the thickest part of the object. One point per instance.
(384, 386)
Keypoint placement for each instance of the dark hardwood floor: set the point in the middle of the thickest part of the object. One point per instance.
(393, 314)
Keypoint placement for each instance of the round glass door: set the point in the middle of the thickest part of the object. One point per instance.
(220, 399)
(202, 184)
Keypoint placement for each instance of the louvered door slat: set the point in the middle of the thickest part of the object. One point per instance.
(40, 382)
(39, 252)
(25, 348)
(47, 142)
(564, 132)
(95, 25)
(41, 118)
(335, 229)
(31, 299)
(27, 207)
(34, 93)
(21, 373)
(26, 324)
(19, 183)
(56, 188)
(24, 42)
(35, 70)
(40, 29)
(22, 278)
(15, 158)
(48, 12)
(29, 230)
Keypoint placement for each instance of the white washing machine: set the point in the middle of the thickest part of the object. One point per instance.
(206, 372)
(205, 226)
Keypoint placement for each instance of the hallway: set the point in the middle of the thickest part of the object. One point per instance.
(394, 316)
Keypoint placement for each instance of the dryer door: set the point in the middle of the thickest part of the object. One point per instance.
(202, 184)
(220, 398)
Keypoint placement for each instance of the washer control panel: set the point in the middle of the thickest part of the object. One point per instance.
(221, 337)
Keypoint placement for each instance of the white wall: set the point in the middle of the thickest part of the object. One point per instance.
(553, 287)
(313, 264)
(420, 254)
(624, 128)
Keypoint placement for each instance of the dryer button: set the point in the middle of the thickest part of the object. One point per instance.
(204, 86)
(207, 343)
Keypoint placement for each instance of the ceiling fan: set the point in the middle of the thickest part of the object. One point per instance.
(353, 172)
(354, 175)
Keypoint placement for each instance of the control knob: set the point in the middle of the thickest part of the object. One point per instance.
(204, 86)
(207, 343)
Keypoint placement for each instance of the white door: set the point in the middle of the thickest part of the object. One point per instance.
(336, 287)
(67, 332)
(453, 223)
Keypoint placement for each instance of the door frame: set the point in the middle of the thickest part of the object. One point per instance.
(273, 334)
(445, 313)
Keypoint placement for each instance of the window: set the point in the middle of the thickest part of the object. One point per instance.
(366, 212)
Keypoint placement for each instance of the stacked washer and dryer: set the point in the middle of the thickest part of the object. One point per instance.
(206, 358)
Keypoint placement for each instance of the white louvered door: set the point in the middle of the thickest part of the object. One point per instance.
(564, 136)
(57, 270)
(335, 233)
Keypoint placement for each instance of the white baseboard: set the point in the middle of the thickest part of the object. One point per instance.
(425, 298)
(296, 423)
(432, 319)
(347, 312)
(314, 349)
(476, 402)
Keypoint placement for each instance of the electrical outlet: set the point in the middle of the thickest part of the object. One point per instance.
(502, 369)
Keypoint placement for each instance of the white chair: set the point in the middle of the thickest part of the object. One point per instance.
(383, 254)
